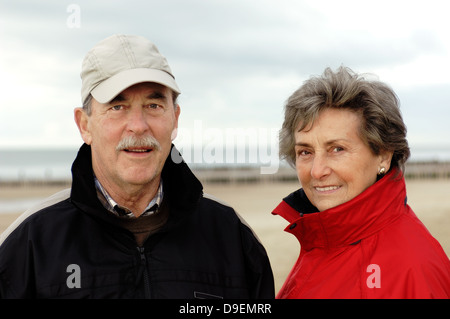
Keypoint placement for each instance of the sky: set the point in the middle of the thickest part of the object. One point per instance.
(236, 61)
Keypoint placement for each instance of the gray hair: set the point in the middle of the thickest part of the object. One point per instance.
(382, 125)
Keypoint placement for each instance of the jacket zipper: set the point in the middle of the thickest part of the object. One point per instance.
(145, 273)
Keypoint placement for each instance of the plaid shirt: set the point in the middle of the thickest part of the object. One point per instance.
(111, 205)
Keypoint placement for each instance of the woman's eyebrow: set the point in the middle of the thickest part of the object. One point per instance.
(302, 144)
(330, 142)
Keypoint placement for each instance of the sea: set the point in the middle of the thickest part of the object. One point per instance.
(21, 165)
(36, 164)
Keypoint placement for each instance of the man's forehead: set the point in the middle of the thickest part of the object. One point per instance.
(152, 90)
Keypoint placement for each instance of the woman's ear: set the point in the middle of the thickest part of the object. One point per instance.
(385, 159)
(82, 121)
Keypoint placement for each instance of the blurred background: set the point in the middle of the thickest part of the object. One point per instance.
(236, 62)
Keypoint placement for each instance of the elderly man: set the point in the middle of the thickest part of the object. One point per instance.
(135, 223)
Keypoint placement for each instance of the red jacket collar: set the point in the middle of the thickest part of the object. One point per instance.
(352, 221)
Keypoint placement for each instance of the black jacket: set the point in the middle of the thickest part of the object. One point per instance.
(71, 247)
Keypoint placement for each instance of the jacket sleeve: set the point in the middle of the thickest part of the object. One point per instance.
(429, 280)
(259, 272)
(422, 269)
(16, 274)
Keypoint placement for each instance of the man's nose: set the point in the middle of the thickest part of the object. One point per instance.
(137, 121)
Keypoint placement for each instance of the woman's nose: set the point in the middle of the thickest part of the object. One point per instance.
(320, 167)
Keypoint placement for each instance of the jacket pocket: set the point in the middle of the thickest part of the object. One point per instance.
(204, 295)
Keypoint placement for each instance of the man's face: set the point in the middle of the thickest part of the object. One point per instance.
(130, 137)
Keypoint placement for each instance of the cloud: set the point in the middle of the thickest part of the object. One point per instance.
(235, 61)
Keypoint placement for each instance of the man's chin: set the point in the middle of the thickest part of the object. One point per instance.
(140, 177)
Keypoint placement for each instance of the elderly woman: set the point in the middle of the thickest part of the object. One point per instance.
(359, 238)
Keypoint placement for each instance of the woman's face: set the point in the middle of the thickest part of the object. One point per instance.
(333, 163)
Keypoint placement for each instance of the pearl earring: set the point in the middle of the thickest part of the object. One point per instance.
(381, 171)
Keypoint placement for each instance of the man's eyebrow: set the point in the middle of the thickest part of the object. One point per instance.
(118, 98)
(156, 96)
(152, 96)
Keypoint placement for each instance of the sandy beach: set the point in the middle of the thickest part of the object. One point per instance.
(254, 201)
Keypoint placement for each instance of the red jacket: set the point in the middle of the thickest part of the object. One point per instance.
(373, 246)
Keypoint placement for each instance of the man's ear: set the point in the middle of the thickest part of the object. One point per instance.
(177, 114)
(82, 120)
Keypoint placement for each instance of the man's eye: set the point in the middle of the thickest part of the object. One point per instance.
(117, 107)
(155, 109)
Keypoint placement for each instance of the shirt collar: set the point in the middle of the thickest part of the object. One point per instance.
(111, 205)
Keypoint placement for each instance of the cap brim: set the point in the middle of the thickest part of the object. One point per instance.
(111, 87)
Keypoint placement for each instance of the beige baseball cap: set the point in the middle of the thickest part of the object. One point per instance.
(120, 61)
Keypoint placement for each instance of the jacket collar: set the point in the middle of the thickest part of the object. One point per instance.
(346, 224)
(181, 188)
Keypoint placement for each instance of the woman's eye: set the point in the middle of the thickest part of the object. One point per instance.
(303, 153)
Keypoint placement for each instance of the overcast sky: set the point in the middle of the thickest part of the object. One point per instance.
(236, 61)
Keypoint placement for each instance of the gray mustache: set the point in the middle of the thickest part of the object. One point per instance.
(135, 142)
